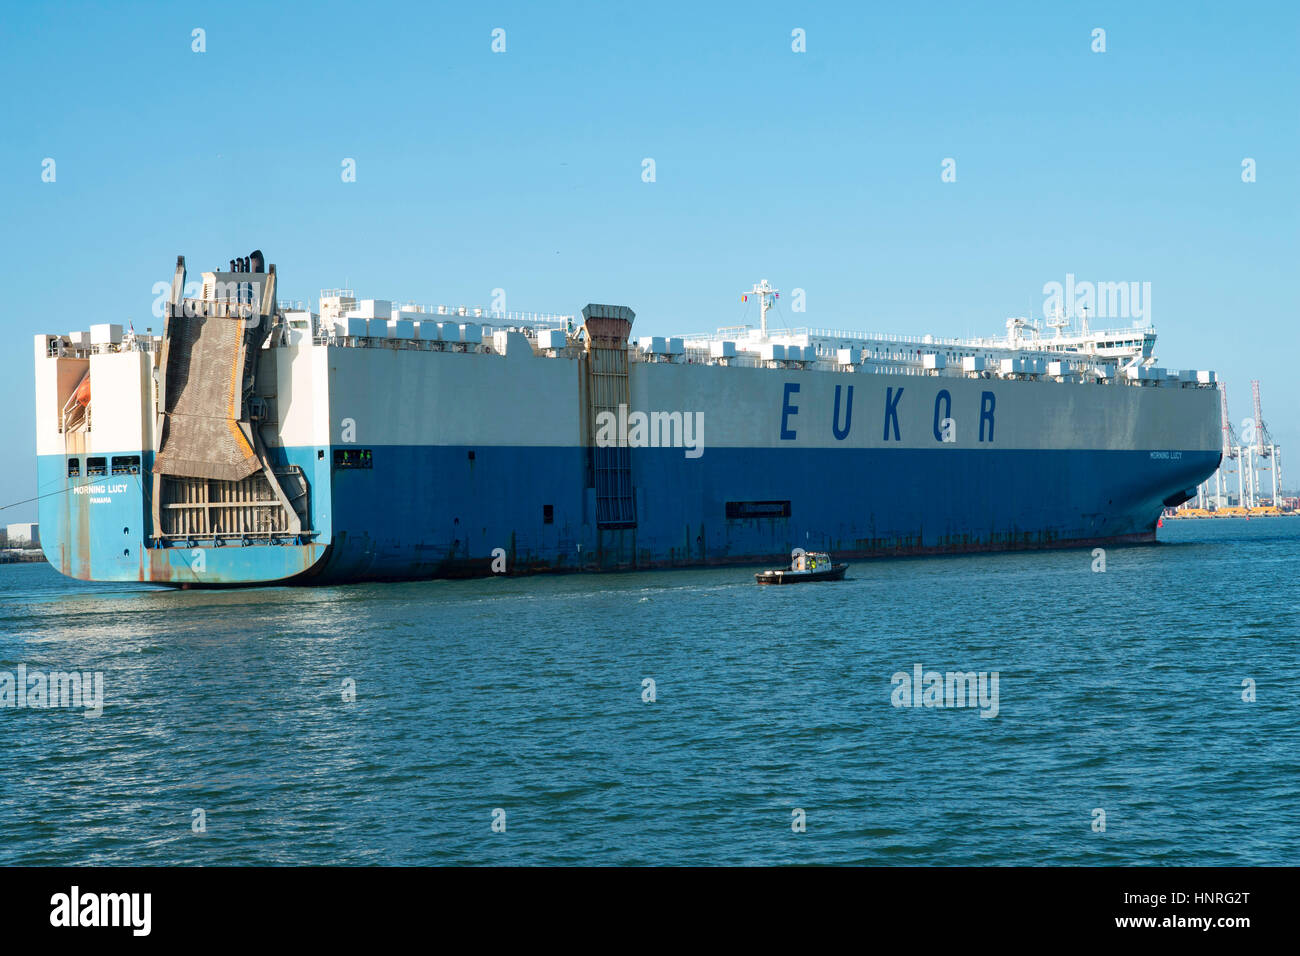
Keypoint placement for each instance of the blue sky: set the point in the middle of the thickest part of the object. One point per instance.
(522, 170)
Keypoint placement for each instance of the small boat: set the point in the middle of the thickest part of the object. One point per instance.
(806, 566)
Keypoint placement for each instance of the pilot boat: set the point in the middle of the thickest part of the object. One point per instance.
(806, 566)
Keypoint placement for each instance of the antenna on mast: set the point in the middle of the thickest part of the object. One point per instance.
(765, 295)
(1057, 320)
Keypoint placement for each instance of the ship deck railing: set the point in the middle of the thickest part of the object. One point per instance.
(231, 539)
(1023, 343)
(58, 348)
(1083, 368)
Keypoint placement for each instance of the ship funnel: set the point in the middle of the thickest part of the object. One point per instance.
(258, 264)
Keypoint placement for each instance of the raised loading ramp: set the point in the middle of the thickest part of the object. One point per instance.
(212, 476)
(207, 347)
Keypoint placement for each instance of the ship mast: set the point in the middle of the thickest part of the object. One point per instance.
(765, 295)
(1057, 321)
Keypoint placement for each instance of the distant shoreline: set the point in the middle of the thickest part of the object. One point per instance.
(21, 556)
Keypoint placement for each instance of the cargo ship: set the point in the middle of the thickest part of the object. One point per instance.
(256, 441)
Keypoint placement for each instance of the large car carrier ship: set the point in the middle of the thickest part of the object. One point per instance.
(256, 442)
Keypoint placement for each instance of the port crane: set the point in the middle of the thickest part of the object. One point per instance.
(1251, 459)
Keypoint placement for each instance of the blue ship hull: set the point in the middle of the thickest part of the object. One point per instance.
(423, 512)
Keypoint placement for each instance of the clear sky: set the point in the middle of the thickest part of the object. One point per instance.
(523, 170)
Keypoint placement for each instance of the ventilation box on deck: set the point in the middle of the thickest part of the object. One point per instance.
(106, 334)
(551, 339)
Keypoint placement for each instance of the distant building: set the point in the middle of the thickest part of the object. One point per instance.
(24, 535)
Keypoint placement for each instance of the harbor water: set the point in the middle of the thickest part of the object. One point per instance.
(673, 717)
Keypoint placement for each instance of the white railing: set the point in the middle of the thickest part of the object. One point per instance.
(57, 348)
(1077, 371)
(1026, 341)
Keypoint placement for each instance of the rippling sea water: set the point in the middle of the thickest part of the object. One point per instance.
(1119, 690)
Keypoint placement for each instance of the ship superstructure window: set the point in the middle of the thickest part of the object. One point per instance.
(548, 514)
(758, 509)
(74, 467)
(352, 458)
(126, 464)
(96, 467)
